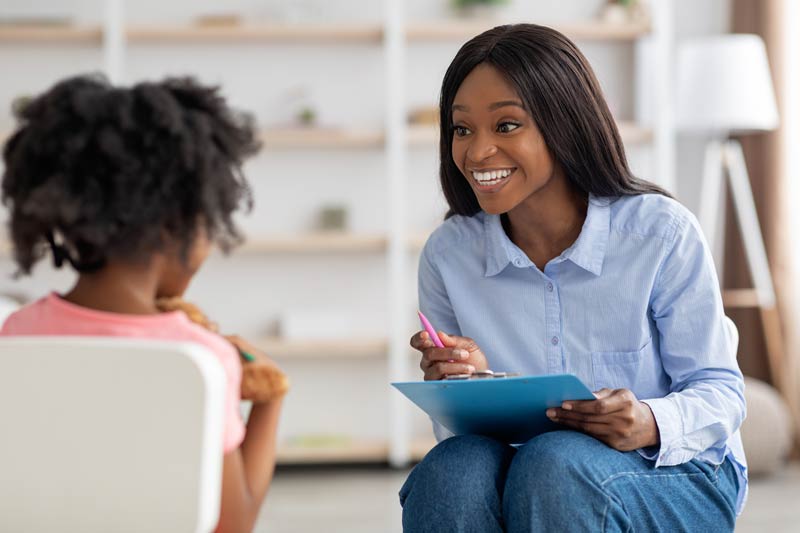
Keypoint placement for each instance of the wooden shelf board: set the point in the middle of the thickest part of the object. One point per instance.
(349, 452)
(300, 138)
(333, 242)
(631, 133)
(290, 33)
(588, 30)
(335, 348)
(417, 241)
(304, 33)
(423, 135)
(316, 243)
(428, 135)
(740, 298)
(420, 447)
(51, 34)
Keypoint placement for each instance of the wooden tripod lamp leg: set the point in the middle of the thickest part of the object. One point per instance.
(756, 254)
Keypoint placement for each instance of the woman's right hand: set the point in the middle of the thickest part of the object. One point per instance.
(459, 356)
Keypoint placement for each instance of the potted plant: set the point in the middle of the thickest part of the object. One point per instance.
(477, 8)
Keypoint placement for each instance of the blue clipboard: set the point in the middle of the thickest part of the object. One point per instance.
(511, 410)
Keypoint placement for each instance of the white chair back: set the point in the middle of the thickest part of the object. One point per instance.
(109, 435)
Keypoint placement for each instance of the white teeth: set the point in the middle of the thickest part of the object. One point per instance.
(491, 177)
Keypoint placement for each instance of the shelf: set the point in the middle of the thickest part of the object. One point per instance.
(330, 242)
(323, 349)
(428, 135)
(345, 452)
(334, 241)
(417, 241)
(580, 31)
(303, 33)
(313, 243)
(740, 298)
(419, 136)
(244, 33)
(376, 451)
(421, 447)
(51, 34)
(301, 138)
(633, 134)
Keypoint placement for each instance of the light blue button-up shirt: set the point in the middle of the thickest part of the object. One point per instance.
(634, 303)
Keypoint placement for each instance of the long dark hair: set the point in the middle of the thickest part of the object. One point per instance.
(562, 95)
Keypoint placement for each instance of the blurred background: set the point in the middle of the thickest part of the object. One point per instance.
(346, 190)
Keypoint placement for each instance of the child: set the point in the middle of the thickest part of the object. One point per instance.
(131, 187)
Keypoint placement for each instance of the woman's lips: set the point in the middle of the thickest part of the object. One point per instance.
(491, 180)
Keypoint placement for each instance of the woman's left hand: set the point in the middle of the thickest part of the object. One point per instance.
(616, 417)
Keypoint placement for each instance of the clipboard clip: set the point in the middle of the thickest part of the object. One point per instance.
(481, 374)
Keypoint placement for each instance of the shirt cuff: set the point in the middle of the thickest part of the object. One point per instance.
(670, 429)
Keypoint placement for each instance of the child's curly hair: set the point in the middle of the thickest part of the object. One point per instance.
(96, 172)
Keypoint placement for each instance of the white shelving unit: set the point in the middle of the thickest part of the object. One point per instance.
(397, 244)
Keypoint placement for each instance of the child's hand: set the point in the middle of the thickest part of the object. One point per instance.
(244, 346)
(262, 380)
(459, 356)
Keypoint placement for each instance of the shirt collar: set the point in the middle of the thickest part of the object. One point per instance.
(587, 252)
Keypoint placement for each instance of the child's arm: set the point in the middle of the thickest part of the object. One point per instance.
(247, 472)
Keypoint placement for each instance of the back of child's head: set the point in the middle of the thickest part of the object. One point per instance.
(98, 173)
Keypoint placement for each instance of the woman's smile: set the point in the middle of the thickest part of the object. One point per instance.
(491, 180)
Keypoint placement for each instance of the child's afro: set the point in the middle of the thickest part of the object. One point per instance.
(96, 172)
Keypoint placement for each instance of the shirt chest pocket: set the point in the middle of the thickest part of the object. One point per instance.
(620, 370)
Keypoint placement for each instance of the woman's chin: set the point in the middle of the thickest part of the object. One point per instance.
(493, 208)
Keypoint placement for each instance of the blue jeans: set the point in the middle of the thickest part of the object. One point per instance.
(560, 482)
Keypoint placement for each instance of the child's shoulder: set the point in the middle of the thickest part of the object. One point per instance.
(192, 332)
(27, 319)
(52, 315)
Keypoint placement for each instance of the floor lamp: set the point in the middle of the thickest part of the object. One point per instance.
(725, 88)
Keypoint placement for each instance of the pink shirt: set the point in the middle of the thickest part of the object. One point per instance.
(52, 315)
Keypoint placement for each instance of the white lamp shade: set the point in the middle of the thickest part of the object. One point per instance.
(724, 85)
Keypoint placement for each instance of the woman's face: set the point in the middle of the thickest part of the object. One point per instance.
(496, 144)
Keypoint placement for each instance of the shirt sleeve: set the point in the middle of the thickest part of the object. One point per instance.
(234, 429)
(435, 305)
(706, 403)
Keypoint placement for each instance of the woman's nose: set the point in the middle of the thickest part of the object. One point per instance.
(481, 147)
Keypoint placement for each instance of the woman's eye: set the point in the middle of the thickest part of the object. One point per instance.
(460, 131)
(507, 127)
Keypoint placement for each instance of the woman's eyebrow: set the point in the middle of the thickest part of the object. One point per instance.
(504, 103)
(492, 107)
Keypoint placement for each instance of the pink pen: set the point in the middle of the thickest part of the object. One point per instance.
(432, 332)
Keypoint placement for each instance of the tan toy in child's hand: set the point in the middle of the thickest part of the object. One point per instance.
(262, 380)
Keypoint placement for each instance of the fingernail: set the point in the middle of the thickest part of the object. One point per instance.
(551, 413)
(463, 354)
(471, 368)
(566, 406)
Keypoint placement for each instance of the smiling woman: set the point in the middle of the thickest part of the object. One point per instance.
(554, 259)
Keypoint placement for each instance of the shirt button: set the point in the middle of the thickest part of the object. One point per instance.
(518, 262)
(554, 340)
(549, 287)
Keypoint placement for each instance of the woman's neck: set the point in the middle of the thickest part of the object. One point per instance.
(118, 288)
(548, 222)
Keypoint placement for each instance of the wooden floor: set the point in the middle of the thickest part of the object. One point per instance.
(365, 500)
